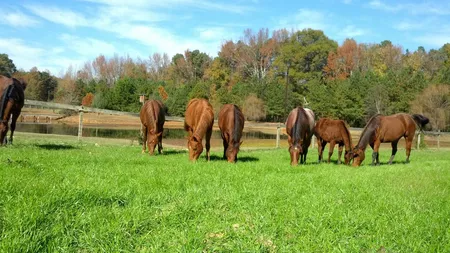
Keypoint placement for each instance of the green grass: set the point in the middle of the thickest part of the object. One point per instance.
(63, 196)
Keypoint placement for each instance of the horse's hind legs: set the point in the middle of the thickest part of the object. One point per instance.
(160, 147)
(331, 150)
(208, 143)
(394, 151)
(340, 148)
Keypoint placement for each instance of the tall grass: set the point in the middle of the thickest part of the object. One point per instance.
(63, 196)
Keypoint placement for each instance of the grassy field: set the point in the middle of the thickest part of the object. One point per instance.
(58, 195)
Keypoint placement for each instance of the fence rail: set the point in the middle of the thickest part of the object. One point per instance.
(276, 127)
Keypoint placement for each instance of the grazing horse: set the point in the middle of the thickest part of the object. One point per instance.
(334, 132)
(382, 129)
(300, 129)
(231, 124)
(12, 98)
(198, 122)
(152, 117)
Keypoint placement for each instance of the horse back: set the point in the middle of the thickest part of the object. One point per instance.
(393, 127)
(329, 129)
(199, 112)
(231, 122)
(152, 115)
(300, 125)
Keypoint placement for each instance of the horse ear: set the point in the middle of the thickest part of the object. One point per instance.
(159, 134)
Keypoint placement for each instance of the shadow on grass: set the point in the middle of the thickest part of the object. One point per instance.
(240, 159)
(55, 146)
(173, 152)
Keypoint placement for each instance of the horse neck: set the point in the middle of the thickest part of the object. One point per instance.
(237, 125)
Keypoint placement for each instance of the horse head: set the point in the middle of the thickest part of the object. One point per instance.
(358, 156)
(232, 151)
(348, 156)
(295, 150)
(195, 147)
(152, 140)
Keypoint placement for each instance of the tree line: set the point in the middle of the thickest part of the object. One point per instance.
(266, 74)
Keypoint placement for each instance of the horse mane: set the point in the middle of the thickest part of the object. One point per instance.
(347, 130)
(297, 128)
(420, 120)
(237, 125)
(369, 131)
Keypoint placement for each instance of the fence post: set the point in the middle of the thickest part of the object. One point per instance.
(278, 135)
(313, 140)
(80, 125)
(438, 139)
(418, 140)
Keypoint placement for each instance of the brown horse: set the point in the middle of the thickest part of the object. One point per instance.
(152, 117)
(198, 122)
(300, 129)
(12, 98)
(334, 132)
(382, 129)
(231, 124)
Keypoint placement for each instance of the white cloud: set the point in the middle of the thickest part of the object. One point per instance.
(212, 33)
(425, 8)
(408, 26)
(58, 15)
(198, 4)
(18, 19)
(306, 18)
(434, 40)
(351, 31)
(88, 46)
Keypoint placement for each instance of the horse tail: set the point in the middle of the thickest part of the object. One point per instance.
(296, 130)
(237, 124)
(420, 120)
(6, 95)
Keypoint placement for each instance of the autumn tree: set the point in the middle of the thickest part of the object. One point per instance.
(253, 108)
(7, 67)
(88, 99)
(434, 102)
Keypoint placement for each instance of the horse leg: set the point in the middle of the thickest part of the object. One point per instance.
(208, 142)
(375, 155)
(394, 151)
(4, 122)
(320, 147)
(144, 138)
(330, 150)
(13, 125)
(160, 147)
(340, 148)
(225, 147)
(408, 143)
(305, 152)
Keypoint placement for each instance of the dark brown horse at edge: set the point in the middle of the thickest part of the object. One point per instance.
(152, 118)
(231, 124)
(12, 99)
(333, 132)
(198, 122)
(382, 129)
(300, 129)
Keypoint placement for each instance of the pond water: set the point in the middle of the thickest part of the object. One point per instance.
(88, 131)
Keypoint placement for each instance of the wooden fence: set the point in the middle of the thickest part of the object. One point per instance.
(276, 127)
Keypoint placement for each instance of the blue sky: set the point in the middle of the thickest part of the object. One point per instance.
(53, 35)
